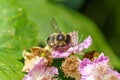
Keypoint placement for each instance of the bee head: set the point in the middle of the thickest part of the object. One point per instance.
(60, 37)
(58, 40)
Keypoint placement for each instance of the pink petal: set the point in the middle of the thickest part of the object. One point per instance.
(102, 58)
(78, 48)
(39, 64)
(86, 43)
(58, 54)
(41, 70)
(85, 67)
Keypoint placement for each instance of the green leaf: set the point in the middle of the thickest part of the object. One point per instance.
(15, 36)
(25, 23)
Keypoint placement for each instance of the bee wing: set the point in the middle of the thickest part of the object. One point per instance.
(74, 38)
(54, 25)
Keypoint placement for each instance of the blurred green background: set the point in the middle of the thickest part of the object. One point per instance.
(26, 23)
(105, 13)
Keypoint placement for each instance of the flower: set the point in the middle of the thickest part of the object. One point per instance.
(70, 67)
(29, 61)
(74, 46)
(99, 69)
(34, 56)
(41, 72)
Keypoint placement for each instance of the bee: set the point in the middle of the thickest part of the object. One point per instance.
(58, 39)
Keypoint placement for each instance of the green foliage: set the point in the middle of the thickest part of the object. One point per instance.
(14, 38)
(106, 14)
(21, 29)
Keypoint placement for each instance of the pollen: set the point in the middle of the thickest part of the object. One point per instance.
(70, 67)
(42, 54)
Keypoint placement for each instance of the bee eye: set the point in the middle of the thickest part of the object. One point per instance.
(60, 37)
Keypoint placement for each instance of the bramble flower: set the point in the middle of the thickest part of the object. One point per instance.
(34, 56)
(70, 67)
(74, 46)
(29, 61)
(99, 69)
(41, 72)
